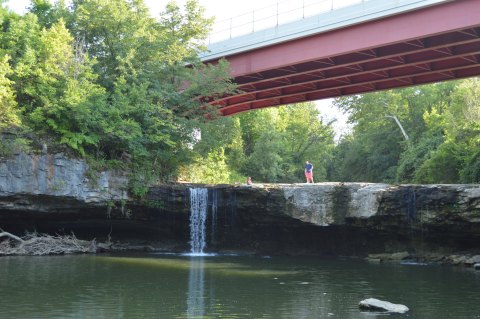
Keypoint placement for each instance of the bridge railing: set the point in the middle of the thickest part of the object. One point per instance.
(274, 15)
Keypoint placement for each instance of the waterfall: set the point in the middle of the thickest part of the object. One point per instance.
(214, 215)
(411, 204)
(198, 216)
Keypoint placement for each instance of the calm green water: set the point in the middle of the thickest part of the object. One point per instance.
(163, 286)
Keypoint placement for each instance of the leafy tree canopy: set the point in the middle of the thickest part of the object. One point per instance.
(106, 80)
(442, 122)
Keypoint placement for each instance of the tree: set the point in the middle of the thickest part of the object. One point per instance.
(106, 80)
(55, 87)
(49, 13)
(463, 128)
(440, 120)
(9, 115)
(371, 155)
(277, 142)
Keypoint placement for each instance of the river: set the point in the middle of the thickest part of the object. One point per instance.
(176, 286)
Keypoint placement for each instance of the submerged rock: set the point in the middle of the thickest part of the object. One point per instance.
(372, 304)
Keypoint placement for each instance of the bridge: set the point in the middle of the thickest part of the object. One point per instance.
(369, 46)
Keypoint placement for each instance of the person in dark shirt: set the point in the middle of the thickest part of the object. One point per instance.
(309, 172)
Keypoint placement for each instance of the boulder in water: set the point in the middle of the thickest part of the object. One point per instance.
(372, 304)
(476, 266)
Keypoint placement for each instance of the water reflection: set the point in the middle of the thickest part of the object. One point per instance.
(196, 289)
(227, 287)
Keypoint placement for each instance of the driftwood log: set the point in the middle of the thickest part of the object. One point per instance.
(43, 244)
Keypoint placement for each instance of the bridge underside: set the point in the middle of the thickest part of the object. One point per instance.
(430, 45)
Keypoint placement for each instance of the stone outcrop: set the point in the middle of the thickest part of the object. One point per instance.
(53, 192)
(60, 177)
(372, 304)
(340, 203)
(333, 202)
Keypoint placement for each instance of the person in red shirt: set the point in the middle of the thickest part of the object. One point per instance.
(309, 172)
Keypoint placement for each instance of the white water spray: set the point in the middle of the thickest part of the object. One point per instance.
(198, 217)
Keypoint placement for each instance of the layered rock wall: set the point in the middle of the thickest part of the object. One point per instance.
(52, 192)
(58, 176)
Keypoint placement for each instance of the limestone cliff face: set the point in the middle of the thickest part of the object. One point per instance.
(51, 192)
(340, 218)
(57, 175)
(340, 203)
(331, 203)
(404, 216)
(35, 184)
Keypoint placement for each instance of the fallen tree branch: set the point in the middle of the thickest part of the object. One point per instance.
(9, 235)
(44, 244)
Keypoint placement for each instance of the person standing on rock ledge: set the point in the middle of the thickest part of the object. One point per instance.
(309, 172)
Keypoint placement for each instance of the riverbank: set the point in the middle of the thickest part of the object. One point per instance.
(456, 259)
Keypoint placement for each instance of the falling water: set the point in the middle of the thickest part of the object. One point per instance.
(198, 216)
(214, 215)
(411, 204)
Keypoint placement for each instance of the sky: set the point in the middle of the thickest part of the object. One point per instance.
(222, 9)
(238, 11)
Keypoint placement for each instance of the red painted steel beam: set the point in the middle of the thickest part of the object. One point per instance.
(437, 43)
(340, 88)
(443, 18)
(390, 52)
(383, 67)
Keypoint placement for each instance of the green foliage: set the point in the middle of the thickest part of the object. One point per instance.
(265, 162)
(442, 121)
(49, 14)
(415, 156)
(212, 169)
(9, 114)
(64, 100)
(278, 142)
(442, 166)
(106, 80)
(463, 129)
(157, 204)
(270, 145)
(372, 152)
(13, 145)
(470, 172)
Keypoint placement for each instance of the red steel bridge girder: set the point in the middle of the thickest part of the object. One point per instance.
(433, 44)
